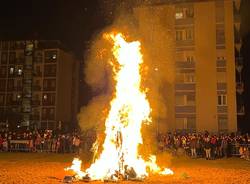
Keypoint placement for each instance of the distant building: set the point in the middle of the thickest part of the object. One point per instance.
(208, 63)
(38, 84)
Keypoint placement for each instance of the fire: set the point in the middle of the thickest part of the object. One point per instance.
(129, 109)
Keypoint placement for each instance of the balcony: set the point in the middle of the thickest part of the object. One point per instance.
(221, 86)
(222, 109)
(185, 109)
(184, 87)
(185, 64)
(184, 21)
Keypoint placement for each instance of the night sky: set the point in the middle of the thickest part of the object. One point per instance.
(74, 22)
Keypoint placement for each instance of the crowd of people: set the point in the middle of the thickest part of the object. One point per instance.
(40, 141)
(207, 145)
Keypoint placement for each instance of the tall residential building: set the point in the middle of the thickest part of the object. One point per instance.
(199, 35)
(38, 84)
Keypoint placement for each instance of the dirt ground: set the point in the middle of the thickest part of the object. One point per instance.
(27, 168)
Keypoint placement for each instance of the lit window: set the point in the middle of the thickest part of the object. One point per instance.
(11, 70)
(20, 71)
(54, 56)
(45, 97)
(179, 15)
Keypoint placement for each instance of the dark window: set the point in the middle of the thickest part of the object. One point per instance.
(3, 72)
(49, 70)
(5, 45)
(2, 85)
(49, 84)
(10, 85)
(1, 99)
(12, 57)
(4, 57)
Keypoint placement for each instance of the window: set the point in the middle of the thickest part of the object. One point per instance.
(4, 57)
(51, 56)
(3, 72)
(45, 97)
(53, 84)
(179, 35)
(19, 71)
(179, 15)
(1, 99)
(2, 85)
(12, 57)
(188, 123)
(222, 124)
(5, 45)
(29, 48)
(189, 78)
(11, 70)
(222, 100)
(18, 96)
(191, 124)
(19, 84)
(190, 12)
(189, 34)
(190, 59)
(188, 99)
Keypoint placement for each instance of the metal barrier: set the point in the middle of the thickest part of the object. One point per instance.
(19, 145)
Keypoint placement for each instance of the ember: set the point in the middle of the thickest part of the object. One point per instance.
(130, 108)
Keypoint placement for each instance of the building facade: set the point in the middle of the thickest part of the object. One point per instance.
(38, 84)
(206, 61)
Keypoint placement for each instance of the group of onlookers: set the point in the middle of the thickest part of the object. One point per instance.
(43, 141)
(209, 146)
(196, 145)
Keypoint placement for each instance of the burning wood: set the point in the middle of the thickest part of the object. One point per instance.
(130, 108)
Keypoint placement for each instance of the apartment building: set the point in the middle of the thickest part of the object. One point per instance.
(207, 61)
(38, 84)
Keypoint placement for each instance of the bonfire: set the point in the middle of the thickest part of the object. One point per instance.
(120, 158)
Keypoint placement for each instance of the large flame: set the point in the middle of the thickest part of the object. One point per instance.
(129, 109)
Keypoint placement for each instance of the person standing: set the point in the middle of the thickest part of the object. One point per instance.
(193, 144)
(207, 147)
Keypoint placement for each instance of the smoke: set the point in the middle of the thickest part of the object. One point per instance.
(153, 27)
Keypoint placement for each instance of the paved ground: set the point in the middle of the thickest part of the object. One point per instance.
(34, 168)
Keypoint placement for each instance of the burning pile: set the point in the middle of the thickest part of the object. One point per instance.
(129, 109)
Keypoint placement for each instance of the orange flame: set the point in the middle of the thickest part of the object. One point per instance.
(129, 109)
